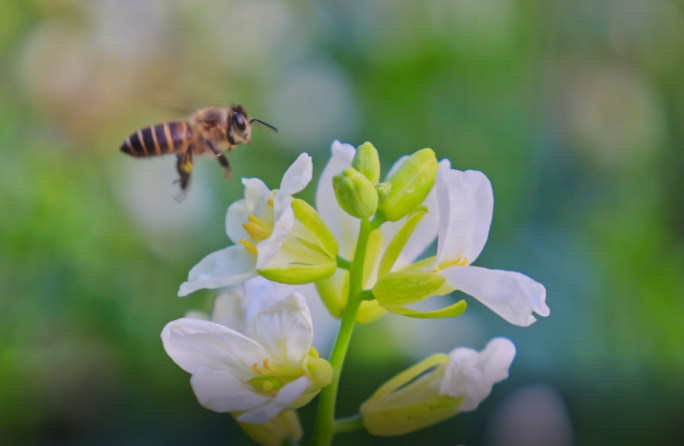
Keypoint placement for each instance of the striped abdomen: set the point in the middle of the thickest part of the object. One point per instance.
(169, 137)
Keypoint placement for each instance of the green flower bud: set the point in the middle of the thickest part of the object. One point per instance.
(402, 288)
(411, 183)
(367, 162)
(355, 193)
(384, 190)
(274, 432)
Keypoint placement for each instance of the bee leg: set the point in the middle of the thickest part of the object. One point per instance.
(184, 167)
(223, 161)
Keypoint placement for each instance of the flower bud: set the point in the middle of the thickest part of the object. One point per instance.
(383, 190)
(355, 193)
(403, 288)
(367, 162)
(411, 184)
(274, 432)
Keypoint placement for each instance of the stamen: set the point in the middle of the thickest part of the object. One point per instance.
(459, 261)
(249, 246)
(255, 367)
(266, 366)
(258, 229)
(270, 202)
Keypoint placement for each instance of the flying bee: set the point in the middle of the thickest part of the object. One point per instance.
(211, 129)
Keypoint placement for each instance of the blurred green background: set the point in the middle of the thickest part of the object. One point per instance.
(573, 108)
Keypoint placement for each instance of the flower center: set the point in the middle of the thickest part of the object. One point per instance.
(258, 230)
(272, 377)
(459, 261)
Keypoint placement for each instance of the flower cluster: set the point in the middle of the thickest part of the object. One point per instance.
(361, 247)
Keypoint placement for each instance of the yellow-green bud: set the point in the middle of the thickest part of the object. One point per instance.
(411, 184)
(274, 432)
(355, 193)
(367, 162)
(401, 288)
(384, 190)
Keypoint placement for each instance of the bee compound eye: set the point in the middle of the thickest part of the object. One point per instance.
(239, 120)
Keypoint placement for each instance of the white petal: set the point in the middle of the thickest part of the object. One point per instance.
(466, 205)
(511, 295)
(472, 374)
(270, 247)
(228, 266)
(196, 314)
(344, 227)
(295, 180)
(222, 392)
(197, 345)
(325, 326)
(256, 199)
(259, 295)
(285, 331)
(228, 309)
(286, 397)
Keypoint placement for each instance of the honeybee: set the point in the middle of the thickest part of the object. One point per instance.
(211, 129)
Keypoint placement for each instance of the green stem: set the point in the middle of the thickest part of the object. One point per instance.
(343, 263)
(349, 424)
(324, 430)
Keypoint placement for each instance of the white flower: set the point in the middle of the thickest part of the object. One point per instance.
(262, 366)
(466, 205)
(457, 383)
(258, 225)
(346, 231)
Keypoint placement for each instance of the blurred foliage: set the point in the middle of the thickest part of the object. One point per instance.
(572, 108)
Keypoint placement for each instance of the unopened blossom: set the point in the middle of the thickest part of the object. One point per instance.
(261, 367)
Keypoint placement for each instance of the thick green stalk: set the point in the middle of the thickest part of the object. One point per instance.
(324, 429)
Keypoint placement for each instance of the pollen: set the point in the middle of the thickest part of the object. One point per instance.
(249, 246)
(270, 202)
(257, 228)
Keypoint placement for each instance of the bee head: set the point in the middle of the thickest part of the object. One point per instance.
(239, 124)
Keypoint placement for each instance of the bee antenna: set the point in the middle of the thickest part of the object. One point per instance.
(262, 122)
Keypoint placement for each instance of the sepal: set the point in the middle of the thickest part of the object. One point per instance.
(276, 431)
(308, 253)
(451, 311)
(404, 288)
